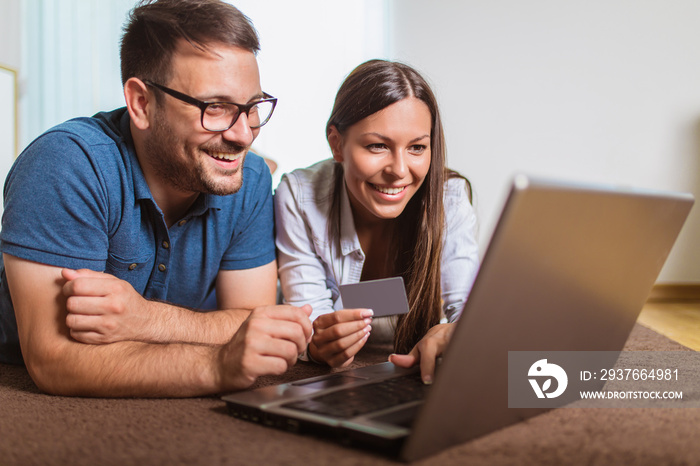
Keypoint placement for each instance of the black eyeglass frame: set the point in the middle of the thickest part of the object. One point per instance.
(202, 105)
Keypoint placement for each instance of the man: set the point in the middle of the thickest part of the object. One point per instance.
(108, 220)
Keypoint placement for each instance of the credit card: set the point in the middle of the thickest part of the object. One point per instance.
(386, 297)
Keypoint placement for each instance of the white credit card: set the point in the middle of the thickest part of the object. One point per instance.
(386, 297)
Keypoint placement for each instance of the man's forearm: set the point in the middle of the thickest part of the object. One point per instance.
(64, 366)
(128, 369)
(50, 311)
(174, 324)
(104, 309)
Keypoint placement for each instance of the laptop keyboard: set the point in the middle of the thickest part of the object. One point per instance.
(356, 401)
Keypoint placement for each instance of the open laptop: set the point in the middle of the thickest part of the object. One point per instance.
(568, 268)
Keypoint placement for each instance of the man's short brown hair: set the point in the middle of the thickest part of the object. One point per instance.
(154, 28)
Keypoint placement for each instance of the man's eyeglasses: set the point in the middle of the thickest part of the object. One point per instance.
(220, 116)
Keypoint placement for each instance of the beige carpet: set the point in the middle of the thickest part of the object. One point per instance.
(37, 429)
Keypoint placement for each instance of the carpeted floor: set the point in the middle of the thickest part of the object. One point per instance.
(37, 429)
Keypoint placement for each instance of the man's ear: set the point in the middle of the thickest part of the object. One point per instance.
(335, 140)
(140, 103)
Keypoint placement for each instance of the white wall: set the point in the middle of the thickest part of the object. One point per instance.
(10, 51)
(71, 61)
(587, 90)
(10, 57)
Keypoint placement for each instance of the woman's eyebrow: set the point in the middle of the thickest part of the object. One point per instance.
(386, 138)
(420, 138)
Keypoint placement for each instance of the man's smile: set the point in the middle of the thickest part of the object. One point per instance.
(228, 156)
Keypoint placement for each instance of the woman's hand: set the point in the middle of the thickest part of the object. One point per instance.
(338, 336)
(426, 351)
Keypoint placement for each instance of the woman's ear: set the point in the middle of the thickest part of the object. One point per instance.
(139, 102)
(335, 140)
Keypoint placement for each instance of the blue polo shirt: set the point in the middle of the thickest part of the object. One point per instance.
(77, 198)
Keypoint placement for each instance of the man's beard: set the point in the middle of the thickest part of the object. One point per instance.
(190, 174)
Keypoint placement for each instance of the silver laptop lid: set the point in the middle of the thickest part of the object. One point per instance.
(568, 268)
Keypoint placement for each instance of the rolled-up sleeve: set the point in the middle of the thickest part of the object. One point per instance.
(303, 275)
(460, 254)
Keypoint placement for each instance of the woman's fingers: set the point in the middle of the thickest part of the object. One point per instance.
(340, 352)
(342, 316)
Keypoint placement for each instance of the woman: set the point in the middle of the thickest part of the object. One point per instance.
(384, 206)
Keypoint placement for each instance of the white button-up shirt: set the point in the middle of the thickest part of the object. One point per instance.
(311, 270)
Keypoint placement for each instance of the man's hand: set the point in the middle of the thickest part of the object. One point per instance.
(426, 351)
(338, 336)
(104, 309)
(267, 343)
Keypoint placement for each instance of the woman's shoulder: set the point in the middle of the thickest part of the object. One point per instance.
(308, 185)
(457, 187)
(312, 177)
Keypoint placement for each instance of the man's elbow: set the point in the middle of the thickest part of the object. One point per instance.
(49, 372)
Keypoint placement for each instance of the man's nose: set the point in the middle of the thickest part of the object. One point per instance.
(240, 132)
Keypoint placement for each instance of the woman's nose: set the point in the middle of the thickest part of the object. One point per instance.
(398, 166)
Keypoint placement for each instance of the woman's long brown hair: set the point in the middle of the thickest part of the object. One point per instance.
(416, 252)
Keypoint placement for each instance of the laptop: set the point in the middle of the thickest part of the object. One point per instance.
(568, 268)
